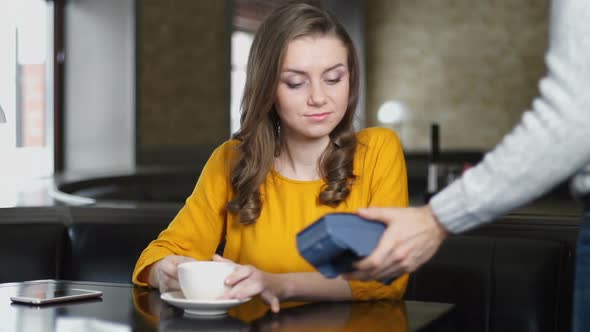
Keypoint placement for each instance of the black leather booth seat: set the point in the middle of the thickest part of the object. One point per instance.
(498, 284)
(104, 244)
(92, 244)
(31, 243)
(499, 279)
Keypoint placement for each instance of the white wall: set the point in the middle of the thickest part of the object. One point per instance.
(350, 13)
(99, 85)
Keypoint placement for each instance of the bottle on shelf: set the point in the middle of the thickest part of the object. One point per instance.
(432, 185)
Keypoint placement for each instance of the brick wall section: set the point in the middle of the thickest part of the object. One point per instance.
(471, 66)
(183, 78)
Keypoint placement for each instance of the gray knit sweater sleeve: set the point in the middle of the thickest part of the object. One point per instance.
(551, 142)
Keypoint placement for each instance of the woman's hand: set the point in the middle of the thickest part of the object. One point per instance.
(247, 281)
(164, 273)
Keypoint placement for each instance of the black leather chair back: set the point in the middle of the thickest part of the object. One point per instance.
(106, 252)
(497, 284)
(104, 243)
(31, 243)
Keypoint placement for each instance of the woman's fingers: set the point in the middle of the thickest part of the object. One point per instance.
(217, 258)
(246, 288)
(167, 270)
(247, 281)
(237, 281)
(240, 273)
(271, 300)
(167, 283)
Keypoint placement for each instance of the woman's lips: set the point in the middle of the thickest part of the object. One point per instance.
(318, 116)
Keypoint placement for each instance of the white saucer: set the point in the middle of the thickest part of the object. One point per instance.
(200, 307)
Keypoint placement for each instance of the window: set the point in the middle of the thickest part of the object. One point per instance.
(247, 16)
(240, 46)
(26, 88)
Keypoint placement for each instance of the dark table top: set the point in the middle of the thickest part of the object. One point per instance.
(124, 307)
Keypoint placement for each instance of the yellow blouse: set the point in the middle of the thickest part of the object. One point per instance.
(288, 206)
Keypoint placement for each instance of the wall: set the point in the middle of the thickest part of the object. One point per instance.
(181, 89)
(471, 66)
(99, 84)
(183, 79)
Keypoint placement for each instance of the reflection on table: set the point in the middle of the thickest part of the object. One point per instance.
(301, 316)
(125, 308)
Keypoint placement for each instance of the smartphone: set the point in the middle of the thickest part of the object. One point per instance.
(33, 294)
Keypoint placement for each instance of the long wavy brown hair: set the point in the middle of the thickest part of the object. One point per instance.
(258, 136)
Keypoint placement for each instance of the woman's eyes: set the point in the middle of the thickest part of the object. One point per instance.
(294, 85)
(334, 80)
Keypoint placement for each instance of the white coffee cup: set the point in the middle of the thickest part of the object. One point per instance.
(204, 280)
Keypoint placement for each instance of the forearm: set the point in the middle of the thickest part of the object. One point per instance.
(310, 286)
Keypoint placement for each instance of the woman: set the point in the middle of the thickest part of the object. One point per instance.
(295, 158)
